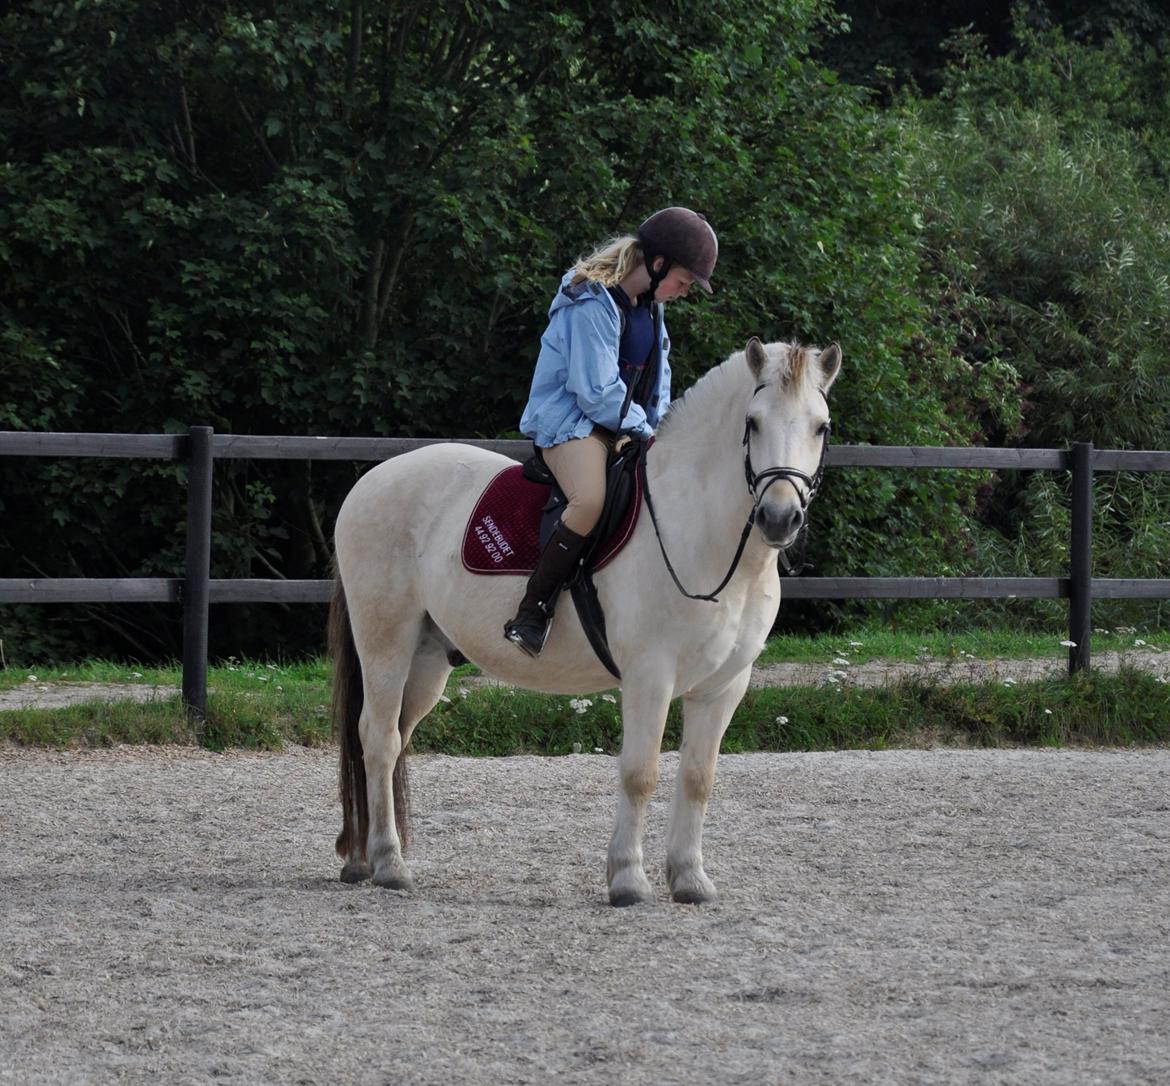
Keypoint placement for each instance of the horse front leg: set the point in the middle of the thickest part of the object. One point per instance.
(705, 719)
(643, 722)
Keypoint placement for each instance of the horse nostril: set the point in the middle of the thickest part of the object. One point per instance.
(778, 524)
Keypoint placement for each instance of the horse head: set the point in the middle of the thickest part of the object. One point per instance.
(786, 433)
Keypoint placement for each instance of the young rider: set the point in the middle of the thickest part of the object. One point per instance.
(602, 374)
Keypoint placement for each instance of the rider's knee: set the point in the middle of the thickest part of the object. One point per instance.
(582, 515)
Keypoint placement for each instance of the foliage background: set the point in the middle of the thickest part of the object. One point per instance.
(349, 220)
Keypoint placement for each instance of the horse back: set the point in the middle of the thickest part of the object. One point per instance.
(408, 492)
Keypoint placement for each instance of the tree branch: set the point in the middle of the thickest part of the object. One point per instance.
(356, 16)
(258, 135)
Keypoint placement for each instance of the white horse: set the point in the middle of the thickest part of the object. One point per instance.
(404, 604)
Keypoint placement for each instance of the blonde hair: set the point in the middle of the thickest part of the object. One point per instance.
(610, 263)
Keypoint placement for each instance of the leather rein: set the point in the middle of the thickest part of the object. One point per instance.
(768, 476)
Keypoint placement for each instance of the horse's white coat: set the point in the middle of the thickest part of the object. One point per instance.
(398, 540)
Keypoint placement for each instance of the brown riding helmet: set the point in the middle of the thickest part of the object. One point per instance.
(683, 237)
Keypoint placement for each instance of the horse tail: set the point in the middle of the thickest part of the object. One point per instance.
(347, 701)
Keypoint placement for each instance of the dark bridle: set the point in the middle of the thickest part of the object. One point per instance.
(812, 483)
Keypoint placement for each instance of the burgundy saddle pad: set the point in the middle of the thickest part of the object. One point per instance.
(503, 534)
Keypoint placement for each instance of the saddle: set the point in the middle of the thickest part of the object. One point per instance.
(520, 509)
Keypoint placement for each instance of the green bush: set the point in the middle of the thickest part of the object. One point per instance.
(278, 221)
(1040, 177)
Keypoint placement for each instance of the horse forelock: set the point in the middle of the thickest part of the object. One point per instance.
(789, 365)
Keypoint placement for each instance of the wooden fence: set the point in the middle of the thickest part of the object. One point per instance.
(195, 591)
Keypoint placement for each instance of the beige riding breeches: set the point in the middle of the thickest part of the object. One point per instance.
(579, 467)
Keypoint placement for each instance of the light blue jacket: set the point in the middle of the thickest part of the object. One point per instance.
(576, 384)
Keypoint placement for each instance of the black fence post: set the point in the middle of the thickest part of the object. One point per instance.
(197, 586)
(1080, 595)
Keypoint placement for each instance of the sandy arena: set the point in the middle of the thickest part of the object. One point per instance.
(903, 917)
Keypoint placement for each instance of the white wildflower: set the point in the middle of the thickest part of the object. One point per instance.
(1138, 642)
(855, 644)
(463, 691)
(138, 674)
(31, 679)
(1048, 712)
(610, 698)
(579, 705)
(840, 661)
(1009, 682)
(1069, 644)
(598, 750)
(443, 698)
(782, 720)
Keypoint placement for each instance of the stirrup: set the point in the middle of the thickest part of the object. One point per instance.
(527, 635)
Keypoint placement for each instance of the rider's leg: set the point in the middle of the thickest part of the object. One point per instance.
(579, 468)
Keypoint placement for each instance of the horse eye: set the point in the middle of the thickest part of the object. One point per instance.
(823, 429)
(753, 426)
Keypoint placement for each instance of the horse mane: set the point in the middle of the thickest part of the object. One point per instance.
(787, 365)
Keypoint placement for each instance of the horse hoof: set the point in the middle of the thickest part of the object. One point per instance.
(626, 898)
(628, 886)
(693, 896)
(394, 880)
(690, 885)
(355, 871)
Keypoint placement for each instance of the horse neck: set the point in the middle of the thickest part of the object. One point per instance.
(696, 478)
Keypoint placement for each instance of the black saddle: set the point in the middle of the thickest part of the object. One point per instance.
(620, 486)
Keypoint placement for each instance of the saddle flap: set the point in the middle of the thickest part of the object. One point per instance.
(503, 533)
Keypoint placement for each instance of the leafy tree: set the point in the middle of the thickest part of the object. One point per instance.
(1041, 178)
(279, 218)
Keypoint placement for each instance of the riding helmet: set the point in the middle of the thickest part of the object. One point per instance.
(683, 237)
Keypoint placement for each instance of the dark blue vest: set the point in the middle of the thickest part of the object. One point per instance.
(636, 349)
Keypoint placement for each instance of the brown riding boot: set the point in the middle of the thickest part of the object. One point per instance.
(529, 629)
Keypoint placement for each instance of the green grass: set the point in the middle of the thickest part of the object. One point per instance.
(1106, 710)
(266, 705)
(883, 644)
(233, 675)
(860, 646)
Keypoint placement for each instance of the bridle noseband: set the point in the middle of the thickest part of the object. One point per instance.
(768, 476)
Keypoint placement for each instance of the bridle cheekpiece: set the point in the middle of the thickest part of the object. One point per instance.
(812, 483)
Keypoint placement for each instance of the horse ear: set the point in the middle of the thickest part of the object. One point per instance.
(757, 357)
(830, 363)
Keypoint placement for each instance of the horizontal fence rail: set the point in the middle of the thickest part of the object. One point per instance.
(200, 447)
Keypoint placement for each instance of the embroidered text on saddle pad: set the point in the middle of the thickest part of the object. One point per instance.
(503, 534)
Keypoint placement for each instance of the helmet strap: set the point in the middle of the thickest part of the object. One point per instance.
(656, 277)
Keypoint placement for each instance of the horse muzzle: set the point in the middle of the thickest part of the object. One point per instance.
(780, 522)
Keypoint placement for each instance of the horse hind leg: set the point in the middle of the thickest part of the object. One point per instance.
(405, 702)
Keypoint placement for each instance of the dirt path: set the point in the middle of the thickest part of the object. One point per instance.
(172, 915)
(35, 695)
